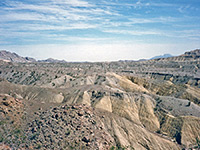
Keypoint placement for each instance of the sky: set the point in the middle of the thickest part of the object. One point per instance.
(99, 30)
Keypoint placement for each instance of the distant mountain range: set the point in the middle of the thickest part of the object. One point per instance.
(155, 57)
(13, 57)
(194, 54)
(161, 56)
(51, 60)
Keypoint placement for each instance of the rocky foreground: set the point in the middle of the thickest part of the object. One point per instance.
(71, 127)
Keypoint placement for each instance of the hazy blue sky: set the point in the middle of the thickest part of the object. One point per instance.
(99, 30)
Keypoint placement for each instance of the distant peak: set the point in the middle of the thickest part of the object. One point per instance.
(52, 60)
(162, 56)
(13, 57)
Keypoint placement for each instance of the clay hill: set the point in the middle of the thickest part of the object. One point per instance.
(150, 105)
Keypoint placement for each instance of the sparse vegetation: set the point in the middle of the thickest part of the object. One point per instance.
(197, 143)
